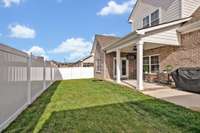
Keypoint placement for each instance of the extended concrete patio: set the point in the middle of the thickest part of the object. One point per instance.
(178, 97)
(186, 99)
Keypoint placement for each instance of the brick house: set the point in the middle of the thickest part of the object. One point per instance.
(164, 33)
(100, 66)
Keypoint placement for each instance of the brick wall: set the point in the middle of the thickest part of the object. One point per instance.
(99, 54)
(109, 66)
(186, 55)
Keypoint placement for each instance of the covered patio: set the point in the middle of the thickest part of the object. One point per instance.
(138, 43)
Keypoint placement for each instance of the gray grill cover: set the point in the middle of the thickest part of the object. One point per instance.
(187, 79)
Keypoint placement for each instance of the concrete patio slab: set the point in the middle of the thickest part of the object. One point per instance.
(147, 86)
(182, 98)
(186, 99)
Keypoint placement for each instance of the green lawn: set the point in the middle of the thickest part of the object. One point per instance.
(93, 106)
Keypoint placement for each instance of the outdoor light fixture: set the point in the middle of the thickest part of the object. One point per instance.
(134, 48)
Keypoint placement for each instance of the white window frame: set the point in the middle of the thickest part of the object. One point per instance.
(127, 67)
(149, 56)
(159, 16)
(148, 24)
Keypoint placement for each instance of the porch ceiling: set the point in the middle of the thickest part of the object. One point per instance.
(147, 46)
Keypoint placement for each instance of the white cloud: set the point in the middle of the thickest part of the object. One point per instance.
(116, 9)
(21, 31)
(111, 34)
(37, 51)
(74, 48)
(8, 3)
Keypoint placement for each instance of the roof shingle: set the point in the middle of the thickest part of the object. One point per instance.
(105, 40)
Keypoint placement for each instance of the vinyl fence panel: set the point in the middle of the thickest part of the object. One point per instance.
(23, 78)
(48, 74)
(13, 83)
(37, 77)
(76, 73)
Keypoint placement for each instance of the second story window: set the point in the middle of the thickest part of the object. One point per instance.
(155, 20)
(146, 22)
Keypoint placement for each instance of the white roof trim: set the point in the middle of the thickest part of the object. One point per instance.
(122, 40)
(133, 11)
(190, 27)
(143, 31)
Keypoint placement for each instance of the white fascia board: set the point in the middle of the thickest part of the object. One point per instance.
(124, 40)
(143, 31)
(189, 28)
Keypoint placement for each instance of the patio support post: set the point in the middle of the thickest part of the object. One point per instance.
(140, 85)
(118, 70)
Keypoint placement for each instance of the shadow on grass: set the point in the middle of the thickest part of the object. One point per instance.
(143, 116)
(29, 118)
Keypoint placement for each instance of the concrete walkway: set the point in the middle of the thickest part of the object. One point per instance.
(182, 98)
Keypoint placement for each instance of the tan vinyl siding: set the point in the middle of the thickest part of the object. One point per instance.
(169, 10)
(189, 6)
(165, 37)
(172, 11)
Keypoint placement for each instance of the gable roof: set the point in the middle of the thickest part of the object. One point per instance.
(134, 6)
(103, 41)
(82, 60)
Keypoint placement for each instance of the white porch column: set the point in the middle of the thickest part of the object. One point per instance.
(140, 65)
(118, 66)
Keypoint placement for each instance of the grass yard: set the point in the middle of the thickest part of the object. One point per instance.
(93, 106)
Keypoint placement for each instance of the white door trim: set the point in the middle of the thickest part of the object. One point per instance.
(127, 67)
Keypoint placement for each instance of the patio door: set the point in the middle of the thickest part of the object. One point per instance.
(123, 66)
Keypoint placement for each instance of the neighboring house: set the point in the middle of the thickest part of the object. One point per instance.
(165, 32)
(86, 62)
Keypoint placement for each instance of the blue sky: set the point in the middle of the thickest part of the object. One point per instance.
(61, 29)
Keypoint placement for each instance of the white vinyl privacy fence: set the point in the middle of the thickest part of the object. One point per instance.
(76, 73)
(22, 79)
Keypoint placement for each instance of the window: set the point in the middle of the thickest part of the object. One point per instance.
(87, 64)
(154, 64)
(124, 63)
(115, 67)
(151, 64)
(155, 20)
(146, 64)
(98, 65)
(146, 22)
